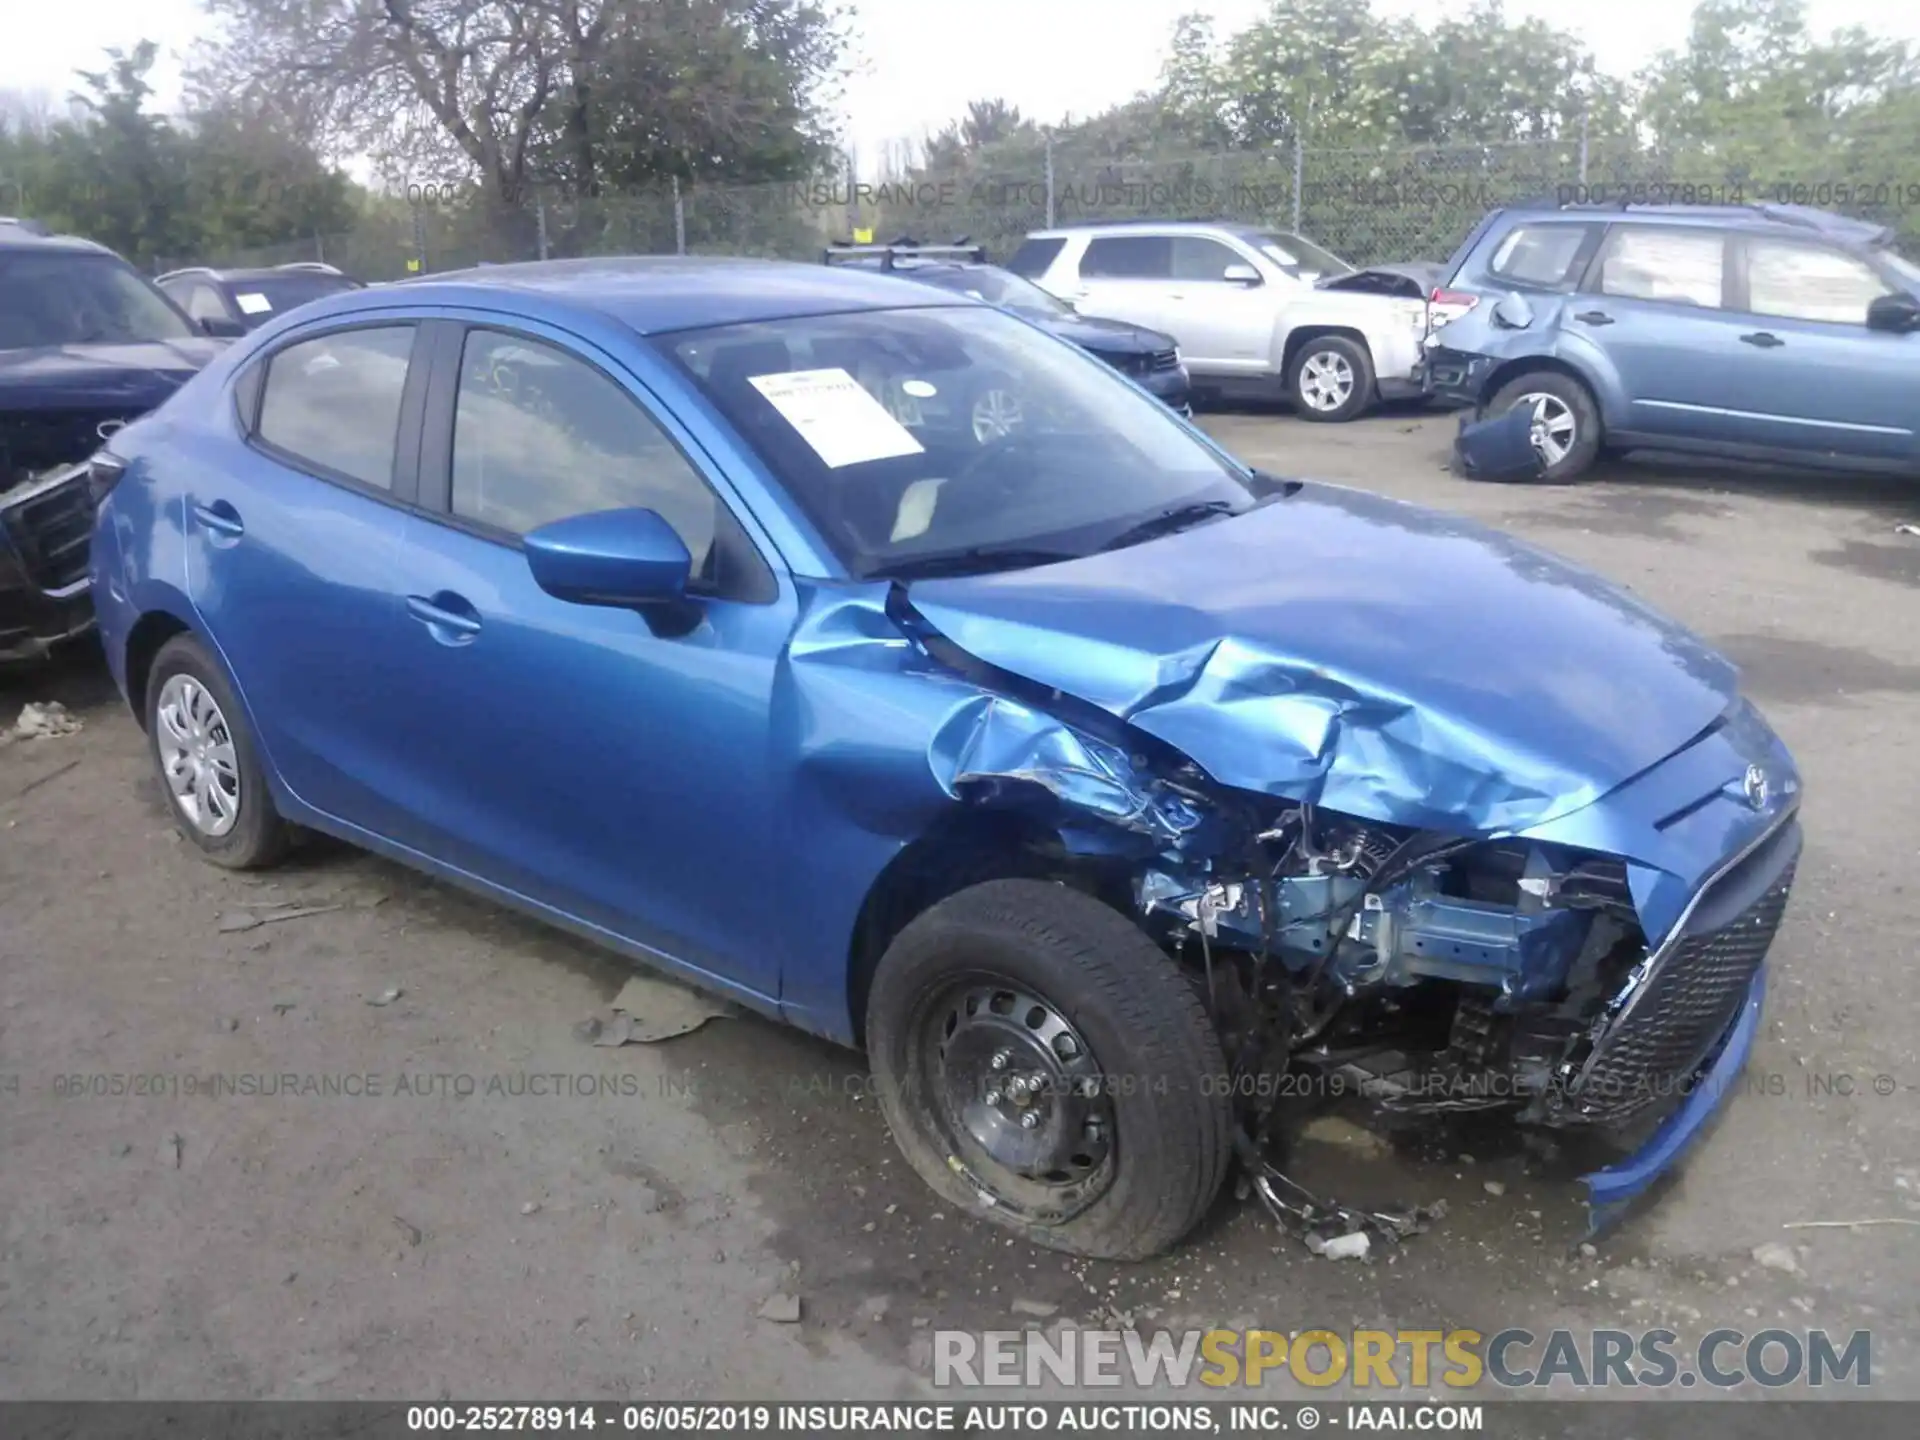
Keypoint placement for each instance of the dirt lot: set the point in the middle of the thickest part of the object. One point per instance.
(477, 1222)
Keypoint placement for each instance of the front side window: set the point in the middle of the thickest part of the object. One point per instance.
(1128, 257)
(333, 403)
(1197, 258)
(1658, 262)
(947, 439)
(1809, 282)
(540, 435)
(50, 298)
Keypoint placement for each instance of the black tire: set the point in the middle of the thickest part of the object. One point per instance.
(1357, 358)
(258, 837)
(1579, 402)
(1144, 1031)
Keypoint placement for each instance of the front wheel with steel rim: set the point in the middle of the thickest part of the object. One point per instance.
(206, 759)
(1331, 378)
(1566, 422)
(1042, 1061)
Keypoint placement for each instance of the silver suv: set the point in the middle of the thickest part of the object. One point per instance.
(1258, 313)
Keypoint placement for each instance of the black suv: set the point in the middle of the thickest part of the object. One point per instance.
(86, 344)
(232, 302)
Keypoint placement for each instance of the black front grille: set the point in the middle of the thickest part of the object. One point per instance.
(1164, 360)
(1681, 1010)
(52, 531)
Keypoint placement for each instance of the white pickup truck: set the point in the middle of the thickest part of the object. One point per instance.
(1258, 313)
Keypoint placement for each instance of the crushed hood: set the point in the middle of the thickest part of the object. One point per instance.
(134, 376)
(1337, 647)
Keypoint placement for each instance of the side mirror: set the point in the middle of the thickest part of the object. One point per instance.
(1511, 312)
(621, 558)
(1897, 314)
(1241, 275)
(221, 328)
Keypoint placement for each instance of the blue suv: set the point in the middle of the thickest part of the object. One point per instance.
(1768, 332)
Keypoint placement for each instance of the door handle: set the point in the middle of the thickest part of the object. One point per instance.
(449, 618)
(1594, 317)
(220, 519)
(1764, 339)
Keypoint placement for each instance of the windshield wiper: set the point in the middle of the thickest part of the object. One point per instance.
(1180, 517)
(977, 560)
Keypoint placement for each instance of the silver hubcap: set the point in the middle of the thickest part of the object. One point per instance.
(1326, 380)
(1553, 426)
(996, 415)
(197, 756)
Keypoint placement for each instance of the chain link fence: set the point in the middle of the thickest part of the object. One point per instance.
(1367, 206)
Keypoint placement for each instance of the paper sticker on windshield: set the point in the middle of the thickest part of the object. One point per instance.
(253, 303)
(842, 422)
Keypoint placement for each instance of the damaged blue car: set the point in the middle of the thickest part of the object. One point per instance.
(1099, 786)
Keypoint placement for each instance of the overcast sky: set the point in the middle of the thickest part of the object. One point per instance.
(922, 60)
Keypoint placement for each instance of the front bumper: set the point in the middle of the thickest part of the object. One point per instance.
(1456, 376)
(1172, 386)
(1612, 1191)
(45, 592)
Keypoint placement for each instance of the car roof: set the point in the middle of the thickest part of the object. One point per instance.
(654, 295)
(1798, 220)
(15, 236)
(1140, 227)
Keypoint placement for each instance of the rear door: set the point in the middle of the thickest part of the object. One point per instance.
(1808, 370)
(290, 541)
(1655, 302)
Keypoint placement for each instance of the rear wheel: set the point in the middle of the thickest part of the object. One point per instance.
(1331, 379)
(209, 769)
(1043, 1062)
(1566, 422)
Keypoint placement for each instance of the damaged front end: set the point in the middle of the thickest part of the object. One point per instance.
(1532, 973)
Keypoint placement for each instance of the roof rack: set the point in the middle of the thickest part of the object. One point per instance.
(318, 267)
(32, 227)
(906, 248)
(184, 270)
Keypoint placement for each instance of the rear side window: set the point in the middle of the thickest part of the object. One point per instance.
(1034, 256)
(1648, 262)
(1546, 257)
(334, 403)
(1128, 257)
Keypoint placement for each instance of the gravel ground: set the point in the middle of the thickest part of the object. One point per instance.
(488, 1207)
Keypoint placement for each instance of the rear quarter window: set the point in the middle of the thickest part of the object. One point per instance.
(1034, 256)
(1544, 257)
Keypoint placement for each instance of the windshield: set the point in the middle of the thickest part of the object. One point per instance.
(49, 298)
(267, 296)
(996, 287)
(947, 439)
(1300, 257)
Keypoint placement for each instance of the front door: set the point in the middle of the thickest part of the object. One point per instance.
(610, 764)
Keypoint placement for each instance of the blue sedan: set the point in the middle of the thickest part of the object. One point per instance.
(1098, 786)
